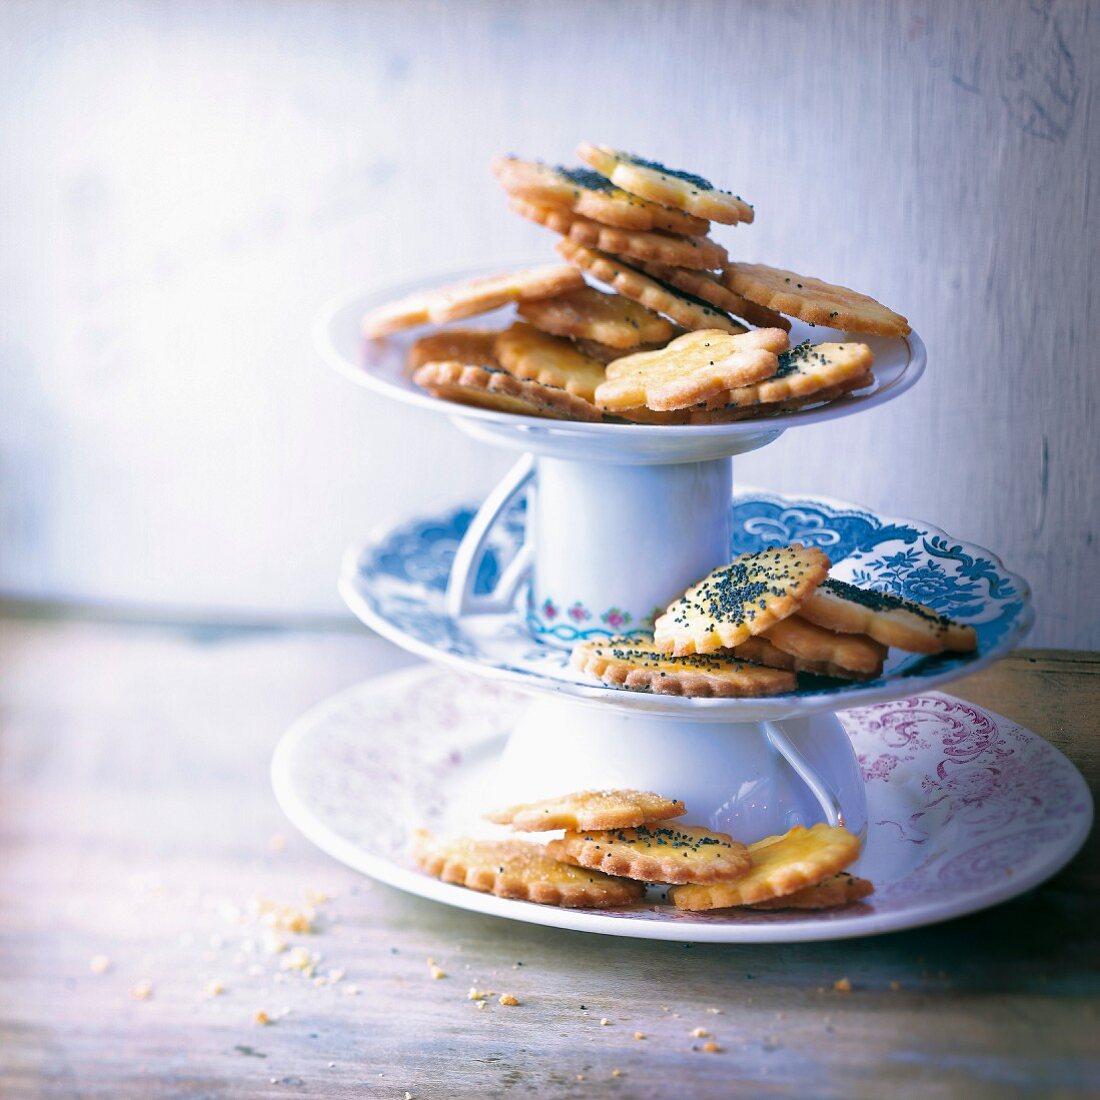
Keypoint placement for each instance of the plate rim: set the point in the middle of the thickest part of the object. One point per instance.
(804, 930)
(725, 710)
(362, 294)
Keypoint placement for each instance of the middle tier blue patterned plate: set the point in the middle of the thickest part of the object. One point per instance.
(396, 584)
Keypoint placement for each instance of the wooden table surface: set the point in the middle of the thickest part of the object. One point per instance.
(139, 838)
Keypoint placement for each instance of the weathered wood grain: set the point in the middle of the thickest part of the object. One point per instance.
(183, 184)
(136, 819)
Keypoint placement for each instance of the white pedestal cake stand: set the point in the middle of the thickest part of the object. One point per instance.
(594, 528)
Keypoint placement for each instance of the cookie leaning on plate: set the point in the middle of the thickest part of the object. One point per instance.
(741, 599)
(691, 369)
(856, 654)
(519, 869)
(668, 186)
(616, 809)
(585, 191)
(781, 865)
(889, 619)
(500, 391)
(831, 893)
(466, 299)
(813, 300)
(702, 284)
(636, 664)
(656, 853)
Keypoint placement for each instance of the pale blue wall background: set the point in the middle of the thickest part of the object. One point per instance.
(182, 184)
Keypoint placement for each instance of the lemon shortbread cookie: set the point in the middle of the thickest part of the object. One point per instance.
(741, 599)
(656, 853)
(497, 389)
(526, 352)
(668, 186)
(813, 300)
(807, 641)
(585, 191)
(831, 893)
(635, 244)
(474, 296)
(519, 869)
(635, 663)
(702, 284)
(781, 865)
(691, 369)
(889, 619)
(684, 309)
(618, 809)
(610, 320)
(457, 345)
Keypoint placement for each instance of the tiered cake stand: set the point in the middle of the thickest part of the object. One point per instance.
(596, 527)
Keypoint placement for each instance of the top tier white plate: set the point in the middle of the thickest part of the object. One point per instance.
(379, 365)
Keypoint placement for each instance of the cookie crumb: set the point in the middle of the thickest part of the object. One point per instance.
(437, 971)
(141, 991)
(604, 1021)
(616, 1072)
(261, 1018)
(842, 985)
(700, 1033)
(476, 994)
(895, 986)
(639, 1034)
(99, 964)
(712, 1048)
(276, 842)
(214, 988)
(508, 999)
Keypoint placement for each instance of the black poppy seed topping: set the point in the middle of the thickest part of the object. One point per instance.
(801, 355)
(587, 178)
(874, 600)
(665, 837)
(648, 658)
(675, 291)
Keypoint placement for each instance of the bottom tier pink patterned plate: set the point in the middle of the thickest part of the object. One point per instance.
(966, 809)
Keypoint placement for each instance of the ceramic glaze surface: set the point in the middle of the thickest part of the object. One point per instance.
(965, 809)
(396, 585)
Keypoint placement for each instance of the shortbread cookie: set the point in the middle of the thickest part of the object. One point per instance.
(608, 319)
(656, 853)
(759, 651)
(803, 370)
(634, 244)
(691, 369)
(807, 641)
(586, 192)
(702, 284)
(831, 893)
(620, 809)
(781, 865)
(605, 353)
(499, 390)
(813, 300)
(741, 599)
(526, 352)
(684, 309)
(456, 345)
(889, 619)
(668, 186)
(635, 663)
(480, 295)
(519, 869)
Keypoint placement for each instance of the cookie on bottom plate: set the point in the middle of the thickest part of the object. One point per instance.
(519, 869)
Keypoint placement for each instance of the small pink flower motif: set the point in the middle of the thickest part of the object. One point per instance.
(578, 612)
(615, 618)
(549, 611)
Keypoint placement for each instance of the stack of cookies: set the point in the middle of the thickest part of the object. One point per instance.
(680, 334)
(751, 627)
(614, 842)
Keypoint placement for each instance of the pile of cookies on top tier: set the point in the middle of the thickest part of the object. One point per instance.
(751, 626)
(617, 841)
(685, 337)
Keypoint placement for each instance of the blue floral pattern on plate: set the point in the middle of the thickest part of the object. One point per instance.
(396, 585)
